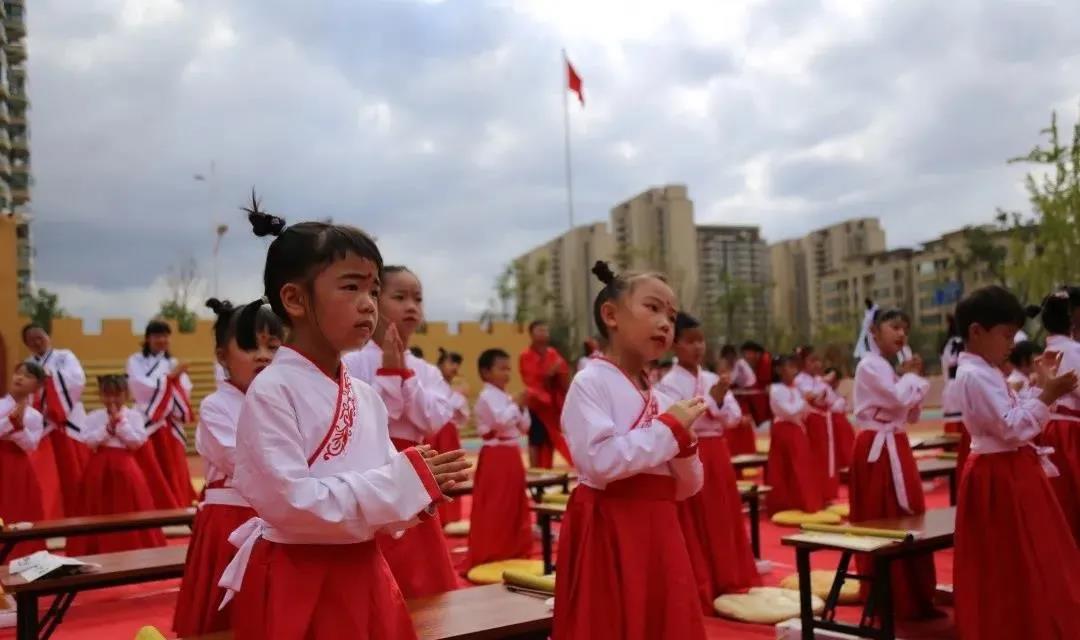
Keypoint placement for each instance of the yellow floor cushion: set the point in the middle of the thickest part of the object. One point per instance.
(149, 633)
(821, 582)
(794, 518)
(555, 498)
(530, 581)
(751, 472)
(763, 605)
(458, 529)
(492, 572)
(842, 510)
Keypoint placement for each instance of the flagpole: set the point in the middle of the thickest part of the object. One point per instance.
(566, 131)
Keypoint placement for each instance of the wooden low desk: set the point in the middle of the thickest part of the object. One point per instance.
(931, 532)
(117, 569)
(546, 513)
(536, 483)
(946, 441)
(92, 525)
(750, 461)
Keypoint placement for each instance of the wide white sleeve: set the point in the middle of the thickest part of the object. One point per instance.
(71, 376)
(30, 435)
(602, 453)
(902, 396)
(272, 473)
(485, 416)
(689, 475)
(509, 417)
(94, 430)
(426, 405)
(460, 406)
(142, 386)
(786, 405)
(728, 413)
(670, 386)
(131, 430)
(215, 437)
(987, 405)
(1070, 361)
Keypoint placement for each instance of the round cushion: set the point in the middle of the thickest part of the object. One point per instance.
(763, 605)
(492, 572)
(530, 581)
(458, 529)
(795, 518)
(555, 498)
(821, 582)
(842, 510)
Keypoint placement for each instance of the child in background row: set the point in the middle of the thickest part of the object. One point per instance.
(60, 458)
(754, 398)
(417, 406)
(712, 519)
(1017, 567)
(113, 481)
(313, 454)
(21, 428)
(1020, 366)
(818, 420)
(162, 391)
(790, 471)
(740, 437)
(448, 438)
(1063, 431)
(623, 568)
(198, 606)
(885, 480)
(843, 432)
(500, 522)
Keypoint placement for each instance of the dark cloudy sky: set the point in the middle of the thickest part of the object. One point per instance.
(438, 125)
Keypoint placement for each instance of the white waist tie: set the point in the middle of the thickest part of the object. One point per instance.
(886, 437)
(829, 430)
(985, 447)
(225, 496)
(244, 539)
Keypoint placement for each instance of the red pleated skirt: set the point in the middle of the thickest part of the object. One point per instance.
(953, 426)
(712, 522)
(755, 405)
(873, 496)
(447, 439)
(1064, 437)
(160, 492)
(319, 592)
(173, 459)
(963, 449)
(623, 569)
(419, 559)
(741, 439)
(817, 431)
(52, 496)
(72, 457)
(114, 483)
(208, 554)
(1017, 567)
(500, 524)
(843, 438)
(20, 494)
(791, 472)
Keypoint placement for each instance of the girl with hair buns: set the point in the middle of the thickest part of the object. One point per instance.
(448, 438)
(198, 609)
(113, 481)
(313, 455)
(624, 570)
(21, 429)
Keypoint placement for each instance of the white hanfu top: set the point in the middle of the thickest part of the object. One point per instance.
(1070, 361)
(215, 440)
(499, 420)
(681, 384)
(787, 403)
(64, 386)
(160, 403)
(616, 430)
(33, 425)
(128, 433)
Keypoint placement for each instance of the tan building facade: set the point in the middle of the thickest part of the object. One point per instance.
(15, 177)
(733, 272)
(887, 278)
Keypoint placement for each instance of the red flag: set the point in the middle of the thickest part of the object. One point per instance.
(573, 82)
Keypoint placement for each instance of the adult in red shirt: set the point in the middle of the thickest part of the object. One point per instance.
(547, 377)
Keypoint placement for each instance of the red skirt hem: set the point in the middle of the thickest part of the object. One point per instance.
(790, 471)
(20, 494)
(1064, 437)
(500, 522)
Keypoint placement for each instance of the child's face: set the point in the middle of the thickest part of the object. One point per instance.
(499, 373)
(242, 365)
(540, 335)
(402, 303)
(643, 319)
(813, 364)
(344, 307)
(115, 400)
(994, 344)
(788, 371)
(891, 336)
(752, 357)
(38, 341)
(23, 384)
(690, 347)
(449, 369)
(158, 342)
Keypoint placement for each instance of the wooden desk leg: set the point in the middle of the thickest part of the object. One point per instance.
(545, 540)
(26, 617)
(883, 581)
(5, 551)
(806, 606)
(566, 485)
(952, 487)
(538, 495)
(755, 524)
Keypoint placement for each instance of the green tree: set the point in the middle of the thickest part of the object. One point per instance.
(183, 282)
(41, 307)
(1054, 192)
(733, 295)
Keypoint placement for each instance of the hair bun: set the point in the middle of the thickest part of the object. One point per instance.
(603, 271)
(219, 307)
(1033, 310)
(262, 223)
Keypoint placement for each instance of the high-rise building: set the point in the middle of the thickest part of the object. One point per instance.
(734, 281)
(555, 280)
(799, 264)
(654, 231)
(886, 278)
(15, 177)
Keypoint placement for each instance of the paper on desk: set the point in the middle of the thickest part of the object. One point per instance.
(42, 563)
(844, 541)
